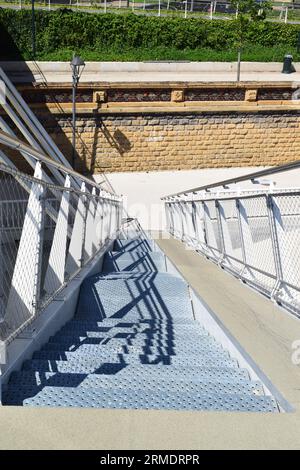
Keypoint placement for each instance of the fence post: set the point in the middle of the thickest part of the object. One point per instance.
(211, 10)
(275, 245)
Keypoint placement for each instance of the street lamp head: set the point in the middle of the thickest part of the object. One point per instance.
(77, 66)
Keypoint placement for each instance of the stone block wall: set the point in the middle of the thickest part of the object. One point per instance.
(175, 141)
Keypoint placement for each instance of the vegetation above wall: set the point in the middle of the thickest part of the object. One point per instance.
(132, 37)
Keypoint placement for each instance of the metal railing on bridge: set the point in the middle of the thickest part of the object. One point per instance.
(48, 233)
(253, 234)
(53, 220)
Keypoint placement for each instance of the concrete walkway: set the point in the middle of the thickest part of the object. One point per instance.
(152, 72)
(265, 331)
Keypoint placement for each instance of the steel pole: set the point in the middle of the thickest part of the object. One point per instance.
(33, 29)
(238, 76)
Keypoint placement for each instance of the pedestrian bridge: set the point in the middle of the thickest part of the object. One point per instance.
(95, 313)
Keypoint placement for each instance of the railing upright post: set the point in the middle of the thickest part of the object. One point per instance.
(170, 210)
(200, 228)
(168, 221)
(240, 227)
(195, 224)
(40, 222)
(100, 224)
(84, 227)
(275, 245)
(205, 223)
(75, 258)
(89, 246)
(55, 273)
(24, 293)
(220, 230)
(181, 217)
(177, 219)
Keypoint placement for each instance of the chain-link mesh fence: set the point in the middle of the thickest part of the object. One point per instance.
(47, 234)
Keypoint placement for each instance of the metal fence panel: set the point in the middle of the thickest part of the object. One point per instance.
(212, 229)
(46, 236)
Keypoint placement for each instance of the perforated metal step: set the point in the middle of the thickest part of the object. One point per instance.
(92, 357)
(168, 330)
(134, 339)
(134, 261)
(111, 324)
(135, 243)
(75, 342)
(149, 399)
(33, 380)
(70, 362)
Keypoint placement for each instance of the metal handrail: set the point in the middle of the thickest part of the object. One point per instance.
(38, 155)
(249, 176)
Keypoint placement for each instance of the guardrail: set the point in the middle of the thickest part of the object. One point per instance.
(48, 233)
(254, 235)
(53, 220)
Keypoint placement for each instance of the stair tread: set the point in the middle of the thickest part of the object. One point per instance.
(66, 342)
(31, 379)
(117, 365)
(134, 355)
(134, 261)
(62, 396)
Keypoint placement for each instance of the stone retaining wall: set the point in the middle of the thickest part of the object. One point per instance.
(174, 141)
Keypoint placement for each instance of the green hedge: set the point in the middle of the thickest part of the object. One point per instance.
(61, 29)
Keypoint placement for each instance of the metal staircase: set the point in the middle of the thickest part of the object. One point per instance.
(134, 343)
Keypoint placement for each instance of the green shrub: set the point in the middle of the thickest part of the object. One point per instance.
(64, 29)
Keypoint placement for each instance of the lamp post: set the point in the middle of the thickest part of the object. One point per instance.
(77, 66)
(33, 29)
